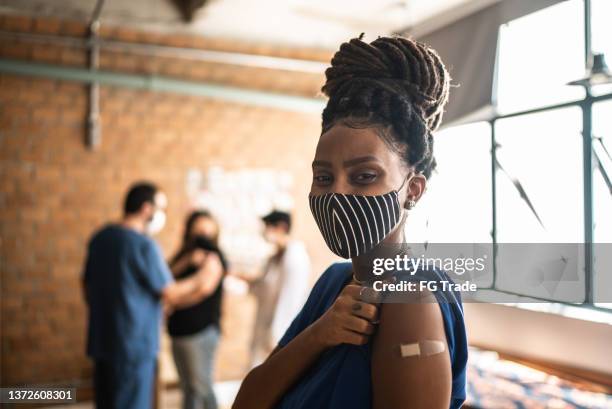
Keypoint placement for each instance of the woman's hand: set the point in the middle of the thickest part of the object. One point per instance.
(194, 258)
(210, 265)
(193, 289)
(197, 257)
(351, 319)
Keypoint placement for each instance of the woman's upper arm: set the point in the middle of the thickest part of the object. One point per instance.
(214, 272)
(415, 381)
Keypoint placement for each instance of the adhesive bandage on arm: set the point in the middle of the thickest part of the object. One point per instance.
(422, 348)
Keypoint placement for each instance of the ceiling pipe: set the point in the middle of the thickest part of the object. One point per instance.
(157, 83)
(218, 57)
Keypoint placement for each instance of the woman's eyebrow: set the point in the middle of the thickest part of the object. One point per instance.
(346, 163)
(362, 159)
(321, 163)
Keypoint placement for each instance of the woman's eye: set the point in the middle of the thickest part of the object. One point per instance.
(364, 177)
(322, 179)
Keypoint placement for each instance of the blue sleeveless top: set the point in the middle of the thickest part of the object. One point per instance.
(341, 377)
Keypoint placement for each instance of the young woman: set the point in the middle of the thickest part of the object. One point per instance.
(372, 162)
(195, 329)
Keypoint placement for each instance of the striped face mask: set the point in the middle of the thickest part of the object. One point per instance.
(352, 225)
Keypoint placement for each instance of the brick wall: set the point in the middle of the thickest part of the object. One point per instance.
(54, 191)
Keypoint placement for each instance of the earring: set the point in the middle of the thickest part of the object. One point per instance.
(411, 204)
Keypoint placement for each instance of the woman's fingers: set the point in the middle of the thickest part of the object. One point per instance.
(359, 325)
(370, 295)
(365, 311)
(213, 262)
(362, 302)
(353, 290)
(356, 339)
(352, 317)
(361, 293)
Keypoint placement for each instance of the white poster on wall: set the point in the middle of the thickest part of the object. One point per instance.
(238, 199)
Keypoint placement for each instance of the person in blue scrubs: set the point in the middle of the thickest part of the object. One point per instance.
(351, 346)
(125, 280)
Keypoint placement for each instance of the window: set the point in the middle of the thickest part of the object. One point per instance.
(602, 195)
(538, 190)
(602, 35)
(602, 203)
(540, 186)
(462, 182)
(538, 55)
(602, 146)
(601, 28)
(542, 152)
(539, 200)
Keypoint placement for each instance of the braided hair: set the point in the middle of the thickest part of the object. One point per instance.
(394, 84)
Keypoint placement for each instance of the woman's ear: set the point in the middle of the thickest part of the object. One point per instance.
(415, 189)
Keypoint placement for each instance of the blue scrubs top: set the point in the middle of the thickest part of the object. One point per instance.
(125, 274)
(341, 377)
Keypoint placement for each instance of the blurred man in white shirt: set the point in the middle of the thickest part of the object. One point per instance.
(282, 288)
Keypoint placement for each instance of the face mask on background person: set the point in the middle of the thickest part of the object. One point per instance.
(203, 242)
(157, 222)
(352, 225)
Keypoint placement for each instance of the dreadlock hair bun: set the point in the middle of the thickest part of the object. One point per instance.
(392, 82)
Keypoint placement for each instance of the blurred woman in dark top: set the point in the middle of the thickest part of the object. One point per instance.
(195, 330)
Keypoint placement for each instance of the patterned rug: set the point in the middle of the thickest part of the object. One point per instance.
(495, 383)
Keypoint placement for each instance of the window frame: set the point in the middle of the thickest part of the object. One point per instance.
(586, 107)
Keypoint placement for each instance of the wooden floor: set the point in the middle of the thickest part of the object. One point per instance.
(171, 398)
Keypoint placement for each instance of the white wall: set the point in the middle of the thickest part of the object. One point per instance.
(539, 335)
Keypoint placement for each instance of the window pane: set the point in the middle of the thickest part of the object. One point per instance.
(602, 203)
(456, 207)
(601, 10)
(542, 153)
(601, 37)
(538, 55)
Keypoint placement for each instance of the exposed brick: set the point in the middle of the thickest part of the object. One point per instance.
(73, 57)
(71, 115)
(17, 23)
(47, 25)
(45, 114)
(73, 28)
(179, 40)
(30, 96)
(46, 53)
(72, 88)
(15, 112)
(15, 50)
(126, 34)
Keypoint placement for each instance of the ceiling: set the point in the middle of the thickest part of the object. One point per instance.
(304, 23)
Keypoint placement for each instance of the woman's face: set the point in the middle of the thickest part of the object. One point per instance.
(359, 162)
(356, 161)
(204, 226)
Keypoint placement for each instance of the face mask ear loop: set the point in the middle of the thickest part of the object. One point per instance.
(404, 242)
(402, 185)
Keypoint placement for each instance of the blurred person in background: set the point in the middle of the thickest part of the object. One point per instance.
(282, 288)
(125, 281)
(195, 330)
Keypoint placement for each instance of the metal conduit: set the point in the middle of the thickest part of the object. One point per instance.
(164, 84)
(220, 57)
